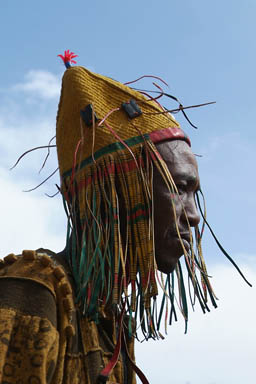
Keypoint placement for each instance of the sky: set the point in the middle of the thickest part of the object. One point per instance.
(205, 51)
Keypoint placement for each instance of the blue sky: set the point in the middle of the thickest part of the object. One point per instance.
(205, 51)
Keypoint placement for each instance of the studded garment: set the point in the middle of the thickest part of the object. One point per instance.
(43, 338)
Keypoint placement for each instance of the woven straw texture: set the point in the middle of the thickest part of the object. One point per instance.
(81, 87)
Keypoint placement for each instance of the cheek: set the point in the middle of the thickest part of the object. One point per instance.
(164, 205)
(164, 200)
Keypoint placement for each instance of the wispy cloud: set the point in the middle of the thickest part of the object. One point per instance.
(24, 125)
(41, 84)
(29, 220)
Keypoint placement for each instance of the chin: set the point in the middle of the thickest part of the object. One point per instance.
(167, 262)
(167, 266)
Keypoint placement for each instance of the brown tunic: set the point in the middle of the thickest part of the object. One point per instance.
(43, 338)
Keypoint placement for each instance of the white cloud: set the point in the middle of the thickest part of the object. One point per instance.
(27, 125)
(28, 220)
(40, 83)
(16, 140)
(219, 347)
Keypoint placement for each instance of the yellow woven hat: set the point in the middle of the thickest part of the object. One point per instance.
(80, 88)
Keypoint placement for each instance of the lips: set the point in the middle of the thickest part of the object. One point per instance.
(186, 240)
(185, 236)
(172, 237)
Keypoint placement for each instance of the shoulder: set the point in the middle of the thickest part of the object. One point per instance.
(36, 266)
(35, 284)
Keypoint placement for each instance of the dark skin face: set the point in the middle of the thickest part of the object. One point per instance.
(183, 167)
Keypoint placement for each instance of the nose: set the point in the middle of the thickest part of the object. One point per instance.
(192, 211)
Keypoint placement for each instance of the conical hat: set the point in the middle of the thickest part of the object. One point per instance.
(80, 87)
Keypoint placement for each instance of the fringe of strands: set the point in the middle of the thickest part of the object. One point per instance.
(109, 265)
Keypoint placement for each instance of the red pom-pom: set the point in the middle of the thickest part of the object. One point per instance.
(68, 58)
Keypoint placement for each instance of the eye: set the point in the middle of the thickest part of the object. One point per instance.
(182, 188)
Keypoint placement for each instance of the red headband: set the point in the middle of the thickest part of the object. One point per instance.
(172, 133)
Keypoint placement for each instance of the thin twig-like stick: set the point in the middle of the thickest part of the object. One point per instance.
(181, 108)
(39, 185)
(48, 153)
(31, 150)
(51, 196)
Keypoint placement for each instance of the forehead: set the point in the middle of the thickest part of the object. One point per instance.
(179, 158)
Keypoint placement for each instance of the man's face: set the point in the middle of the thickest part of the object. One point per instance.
(183, 168)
